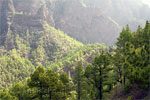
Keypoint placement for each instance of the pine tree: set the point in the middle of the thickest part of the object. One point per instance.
(125, 36)
(102, 69)
(78, 79)
(5, 95)
(66, 84)
(37, 80)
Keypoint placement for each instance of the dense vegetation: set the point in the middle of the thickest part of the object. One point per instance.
(21, 53)
(126, 67)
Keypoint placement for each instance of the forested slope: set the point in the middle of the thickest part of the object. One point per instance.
(121, 73)
(28, 39)
(21, 53)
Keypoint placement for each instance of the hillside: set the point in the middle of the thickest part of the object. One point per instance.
(85, 20)
(133, 12)
(27, 44)
(27, 41)
(68, 16)
(57, 45)
(86, 24)
(121, 73)
(22, 53)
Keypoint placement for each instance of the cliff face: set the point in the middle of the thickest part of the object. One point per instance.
(85, 24)
(7, 11)
(132, 12)
(22, 15)
(6, 20)
(97, 21)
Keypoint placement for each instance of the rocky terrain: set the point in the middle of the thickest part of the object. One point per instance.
(59, 34)
(84, 24)
(88, 21)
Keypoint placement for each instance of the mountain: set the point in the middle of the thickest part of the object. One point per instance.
(21, 53)
(113, 75)
(133, 12)
(28, 39)
(89, 20)
(85, 20)
(37, 33)
(84, 24)
(53, 49)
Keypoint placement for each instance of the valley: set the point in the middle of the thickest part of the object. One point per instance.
(89, 49)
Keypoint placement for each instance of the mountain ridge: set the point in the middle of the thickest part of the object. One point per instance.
(21, 53)
(34, 32)
(59, 14)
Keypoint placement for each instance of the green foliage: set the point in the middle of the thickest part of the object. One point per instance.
(4, 95)
(41, 85)
(125, 35)
(129, 98)
(22, 92)
(78, 80)
(95, 80)
(51, 48)
(128, 65)
(84, 53)
(14, 68)
(102, 68)
(134, 52)
(82, 85)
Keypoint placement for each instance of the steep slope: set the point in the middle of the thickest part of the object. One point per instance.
(29, 35)
(89, 20)
(84, 23)
(50, 48)
(14, 68)
(29, 50)
(27, 40)
(133, 12)
(96, 21)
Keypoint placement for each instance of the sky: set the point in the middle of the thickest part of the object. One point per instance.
(146, 2)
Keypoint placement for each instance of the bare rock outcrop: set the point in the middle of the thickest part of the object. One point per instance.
(84, 23)
(89, 21)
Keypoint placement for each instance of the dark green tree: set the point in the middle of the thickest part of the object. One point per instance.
(5, 95)
(67, 86)
(37, 80)
(125, 36)
(102, 69)
(78, 78)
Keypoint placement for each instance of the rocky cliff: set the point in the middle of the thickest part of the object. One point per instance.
(24, 15)
(98, 21)
(19, 16)
(132, 12)
(84, 23)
